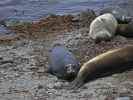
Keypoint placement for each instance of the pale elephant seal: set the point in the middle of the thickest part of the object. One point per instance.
(103, 27)
(62, 63)
(109, 61)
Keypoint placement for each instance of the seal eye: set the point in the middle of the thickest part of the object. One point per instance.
(70, 68)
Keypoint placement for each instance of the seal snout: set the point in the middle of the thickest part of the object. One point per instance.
(70, 69)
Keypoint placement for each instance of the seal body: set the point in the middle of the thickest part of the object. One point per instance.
(125, 29)
(109, 61)
(103, 27)
(62, 63)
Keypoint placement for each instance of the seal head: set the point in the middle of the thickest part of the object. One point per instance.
(62, 63)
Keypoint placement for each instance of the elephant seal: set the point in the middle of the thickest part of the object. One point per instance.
(125, 30)
(112, 60)
(103, 27)
(62, 63)
(120, 14)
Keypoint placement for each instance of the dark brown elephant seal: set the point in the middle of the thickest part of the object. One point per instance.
(106, 62)
(125, 30)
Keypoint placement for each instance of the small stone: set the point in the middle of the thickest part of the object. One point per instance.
(51, 86)
(13, 22)
(1, 57)
(123, 98)
(78, 36)
(58, 85)
(40, 86)
(76, 18)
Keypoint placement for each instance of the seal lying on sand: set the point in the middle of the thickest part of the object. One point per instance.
(103, 27)
(62, 63)
(125, 29)
(109, 61)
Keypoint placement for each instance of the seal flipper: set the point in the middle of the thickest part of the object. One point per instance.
(77, 83)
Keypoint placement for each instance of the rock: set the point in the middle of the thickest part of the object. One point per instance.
(120, 14)
(125, 30)
(84, 18)
(124, 98)
(4, 30)
(13, 22)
